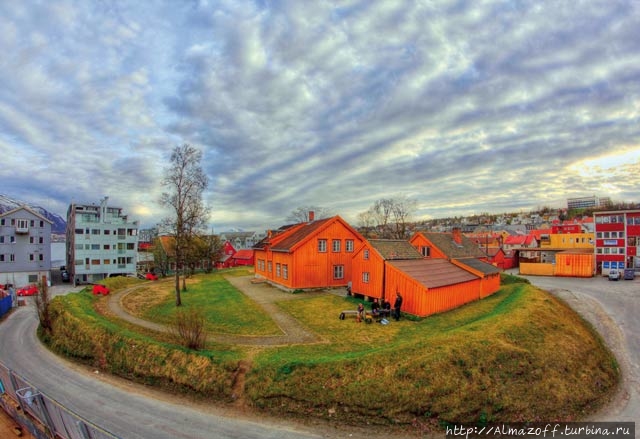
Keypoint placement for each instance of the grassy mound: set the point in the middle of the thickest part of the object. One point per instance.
(519, 355)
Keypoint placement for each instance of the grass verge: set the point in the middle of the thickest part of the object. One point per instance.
(519, 355)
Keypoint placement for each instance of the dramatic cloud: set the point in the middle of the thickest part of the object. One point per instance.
(466, 107)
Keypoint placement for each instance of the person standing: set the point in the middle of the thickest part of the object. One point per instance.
(396, 306)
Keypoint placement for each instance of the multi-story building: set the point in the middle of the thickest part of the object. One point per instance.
(586, 202)
(617, 241)
(101, 242)
(25, 247)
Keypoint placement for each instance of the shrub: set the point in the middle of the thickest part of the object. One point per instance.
(188, 327)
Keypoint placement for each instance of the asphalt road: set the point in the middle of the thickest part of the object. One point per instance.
(613, 308)
(121, 408)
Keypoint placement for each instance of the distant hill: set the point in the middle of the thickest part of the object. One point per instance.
(58, 225)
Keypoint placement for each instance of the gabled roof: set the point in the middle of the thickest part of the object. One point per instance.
(392, 249)
(433, 273)
(243, 254)
(479, 265)
(25, 208)
(274, 236)
(446, 244)
(297, 235)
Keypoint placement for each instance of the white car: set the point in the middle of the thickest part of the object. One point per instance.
(614, 275)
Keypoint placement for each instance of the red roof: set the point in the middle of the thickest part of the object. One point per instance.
(243, 254)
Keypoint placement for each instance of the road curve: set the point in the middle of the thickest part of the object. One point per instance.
(124, 409)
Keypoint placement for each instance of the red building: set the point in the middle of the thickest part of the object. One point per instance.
(617, 240)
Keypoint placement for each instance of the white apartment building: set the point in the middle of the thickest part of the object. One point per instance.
(101, 242)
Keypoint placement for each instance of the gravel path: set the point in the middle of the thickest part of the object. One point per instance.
(265, 295)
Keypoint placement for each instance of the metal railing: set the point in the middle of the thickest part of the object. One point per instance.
(60, 421)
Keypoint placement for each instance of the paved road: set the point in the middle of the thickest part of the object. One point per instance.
(124, 409)
(613, 309)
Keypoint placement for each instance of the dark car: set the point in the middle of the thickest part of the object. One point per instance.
(29, 290)
(100, 289)
(64, 274)
(629, 274)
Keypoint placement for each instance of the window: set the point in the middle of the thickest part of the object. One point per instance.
(338, 271)
(277, 270)
(12, 239)
(365, 254)
(1, 239)
(426, 251)
(106, 232)
(95, 231)
(79, 231)
(335, 245)
(41, 223)
(365, 277)
(32, 223)
(95, 261)
(270, 266)
(41, 240)
(285, 271)
(1, 258)
(31, 257)
(95, 246)
(106, 247)
(106, 261)
(2, 222)
(348, 245)
(41, 257)
(130, 246)
(322, 245)
(23, 224)
(12, 257)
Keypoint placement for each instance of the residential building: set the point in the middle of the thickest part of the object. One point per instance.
(25, 247)
(452, 245)
(316, 254)
(101, 242)
(587, 202)
(617, 240)
(242, 240)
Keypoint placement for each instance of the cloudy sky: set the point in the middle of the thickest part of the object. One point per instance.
(465, 106)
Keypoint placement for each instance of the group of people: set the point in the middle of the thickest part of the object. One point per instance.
(384, 310)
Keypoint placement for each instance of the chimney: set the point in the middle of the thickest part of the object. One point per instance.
(457, 235)
(312, 215)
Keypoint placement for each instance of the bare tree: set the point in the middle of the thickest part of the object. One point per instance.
(302, 214)
(186, 183)
(389, 217)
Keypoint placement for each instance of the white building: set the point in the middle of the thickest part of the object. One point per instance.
(101, 242)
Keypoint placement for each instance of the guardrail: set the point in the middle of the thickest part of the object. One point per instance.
(53, 418)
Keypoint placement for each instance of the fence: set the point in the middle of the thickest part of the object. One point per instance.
(58, 421)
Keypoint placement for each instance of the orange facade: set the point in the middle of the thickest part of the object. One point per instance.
(423, 301)
(317, 254)
(368, 273)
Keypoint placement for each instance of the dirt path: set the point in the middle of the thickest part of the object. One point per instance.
(265, 295)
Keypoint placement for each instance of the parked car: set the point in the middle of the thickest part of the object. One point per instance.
(100, 289)
(629, 274)
(150, 276)
(64, 274)
(29, 290)
(614, 275)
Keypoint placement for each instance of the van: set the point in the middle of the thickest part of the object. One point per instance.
(629, 274)
(614, 275)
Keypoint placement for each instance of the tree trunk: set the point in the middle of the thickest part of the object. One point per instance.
(177, 278)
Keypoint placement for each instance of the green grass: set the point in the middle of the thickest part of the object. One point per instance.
(226, 309)
(518, 355)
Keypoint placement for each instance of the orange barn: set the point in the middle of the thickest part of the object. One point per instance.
(430, 286)
(317, 254)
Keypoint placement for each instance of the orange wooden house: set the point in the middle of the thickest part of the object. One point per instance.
(369, 265)
(446, 245)
(428, 285)
(317, 254)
